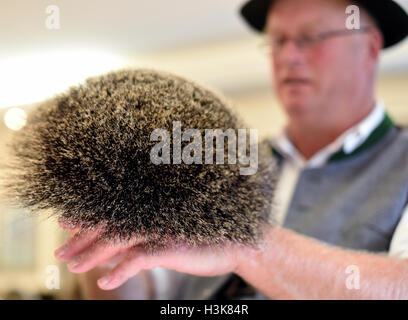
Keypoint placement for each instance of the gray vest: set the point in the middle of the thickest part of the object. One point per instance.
(355, 201)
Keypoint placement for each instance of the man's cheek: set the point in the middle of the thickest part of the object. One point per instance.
(327, 56)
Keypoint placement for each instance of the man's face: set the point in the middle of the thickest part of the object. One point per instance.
(309, 79)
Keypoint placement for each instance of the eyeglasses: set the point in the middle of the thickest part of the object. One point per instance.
(307, 42)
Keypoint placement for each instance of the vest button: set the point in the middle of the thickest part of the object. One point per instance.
(302, 208)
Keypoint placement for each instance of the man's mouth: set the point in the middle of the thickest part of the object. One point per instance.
(296, 81)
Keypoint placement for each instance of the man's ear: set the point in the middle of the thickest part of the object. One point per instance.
(376, 44)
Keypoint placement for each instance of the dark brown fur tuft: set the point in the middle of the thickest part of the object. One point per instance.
(85, 154)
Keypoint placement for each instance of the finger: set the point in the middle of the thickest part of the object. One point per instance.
(71, 227)
(73, 232)
(98, 253)
(76, 244)
(134, 262)
(65, 224)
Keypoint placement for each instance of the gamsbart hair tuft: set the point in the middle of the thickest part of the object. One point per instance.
(85, 154)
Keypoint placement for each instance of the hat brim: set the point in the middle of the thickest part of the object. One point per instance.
(390, 17)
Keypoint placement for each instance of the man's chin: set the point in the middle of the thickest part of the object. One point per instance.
(296, 106)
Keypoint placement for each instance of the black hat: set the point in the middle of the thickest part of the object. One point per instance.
(390, 17)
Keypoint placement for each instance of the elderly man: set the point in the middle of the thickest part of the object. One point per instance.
(343, 189)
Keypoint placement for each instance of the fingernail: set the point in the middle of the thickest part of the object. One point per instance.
(75, 263)
(104, 281)
(60, 252)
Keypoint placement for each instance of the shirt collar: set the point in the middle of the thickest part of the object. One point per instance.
(347, 142)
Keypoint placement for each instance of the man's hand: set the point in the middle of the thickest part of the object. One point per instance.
(287, 265)
(84, 251)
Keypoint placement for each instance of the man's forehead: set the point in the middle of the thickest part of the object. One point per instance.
(311, 14)
(317, 5)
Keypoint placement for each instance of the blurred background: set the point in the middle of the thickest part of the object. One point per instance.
(47, 46)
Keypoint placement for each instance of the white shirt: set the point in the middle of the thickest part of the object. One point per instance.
(349, 141)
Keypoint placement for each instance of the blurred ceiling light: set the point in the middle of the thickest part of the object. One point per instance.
(33, 77)
(15, 118)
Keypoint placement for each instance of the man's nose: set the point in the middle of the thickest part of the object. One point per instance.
(291, 53)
